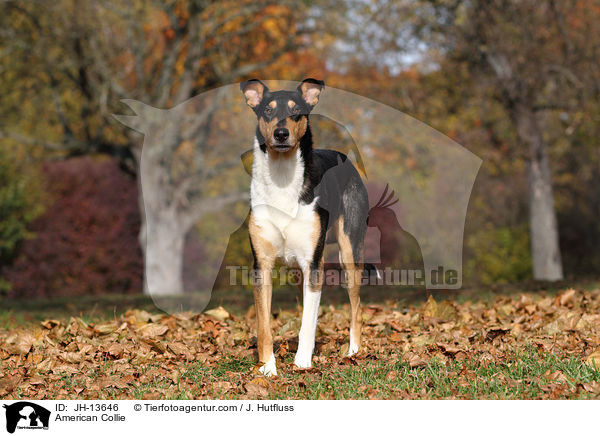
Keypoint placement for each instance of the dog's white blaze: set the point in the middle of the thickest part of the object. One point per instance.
(269, 368)
(274, 193)
(277, 184)
(310, 315)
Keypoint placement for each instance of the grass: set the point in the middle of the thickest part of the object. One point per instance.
(523, 375)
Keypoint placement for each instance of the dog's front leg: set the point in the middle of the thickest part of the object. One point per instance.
(311, 291)
(264, 259)
(263, 291)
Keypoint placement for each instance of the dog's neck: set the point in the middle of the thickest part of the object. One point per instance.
(279, 172)
(283, 183)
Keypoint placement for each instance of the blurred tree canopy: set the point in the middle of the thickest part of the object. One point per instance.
(515, 82)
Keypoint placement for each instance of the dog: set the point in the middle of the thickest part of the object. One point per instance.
(297, 194)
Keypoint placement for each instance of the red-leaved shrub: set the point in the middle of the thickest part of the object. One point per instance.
(86, 242)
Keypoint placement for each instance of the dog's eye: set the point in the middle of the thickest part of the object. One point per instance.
(295, 110)
(269, 110)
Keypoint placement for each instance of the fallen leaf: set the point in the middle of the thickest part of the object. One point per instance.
(415, 360)
(152, 330)
(156, 346)
(106, 382)
(449, 349)
(36, 381)
(106, 328)
(344, 350)
(9, 383)
(178, 349)
(447, 311)
(20, 343)
(72, 357)
(531, 309)
(292, 325)
(137, 316)
(50, 323)
(594, 359)
(348, 360)
(115, 350)
(396, 337)
(152, 395)
(219, 313)
(257, 387)
(373, 394)
(223, 386)
(430, 308)
(392, 375)
(593, 387)
(494, 333)
(564, 298)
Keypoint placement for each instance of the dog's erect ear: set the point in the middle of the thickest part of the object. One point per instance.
(253, 90)
(311, 90)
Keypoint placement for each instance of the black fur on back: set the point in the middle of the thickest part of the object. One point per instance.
(331, 177)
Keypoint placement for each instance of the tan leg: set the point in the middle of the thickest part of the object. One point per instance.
(263, 289)
(354, 277)
(262, 302)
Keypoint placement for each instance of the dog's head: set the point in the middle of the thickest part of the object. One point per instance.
(282, 115)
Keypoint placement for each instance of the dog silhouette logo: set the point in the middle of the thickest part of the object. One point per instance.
(26, 415)
(195, 192)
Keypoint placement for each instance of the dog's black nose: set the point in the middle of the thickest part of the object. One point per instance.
(281, 134)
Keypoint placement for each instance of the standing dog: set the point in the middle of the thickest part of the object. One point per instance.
(298, 193)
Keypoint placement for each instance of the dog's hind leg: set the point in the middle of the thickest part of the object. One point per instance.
(353, 277)
(352, 260)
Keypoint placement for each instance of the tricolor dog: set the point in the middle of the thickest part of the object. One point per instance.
(297, 194)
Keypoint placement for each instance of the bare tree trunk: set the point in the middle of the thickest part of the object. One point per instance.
(163, 253)
(547, 264)
(162, 234)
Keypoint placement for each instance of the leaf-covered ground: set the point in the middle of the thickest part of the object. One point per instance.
(525, 346)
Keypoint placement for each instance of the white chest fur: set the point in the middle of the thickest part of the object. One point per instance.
(274, 196)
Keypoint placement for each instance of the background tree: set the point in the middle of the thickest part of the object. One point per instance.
(532, 57)
(91, 55)
(517, 83)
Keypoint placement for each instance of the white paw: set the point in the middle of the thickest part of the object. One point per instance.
(269, 369)
(303, 360)
(352, 349)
